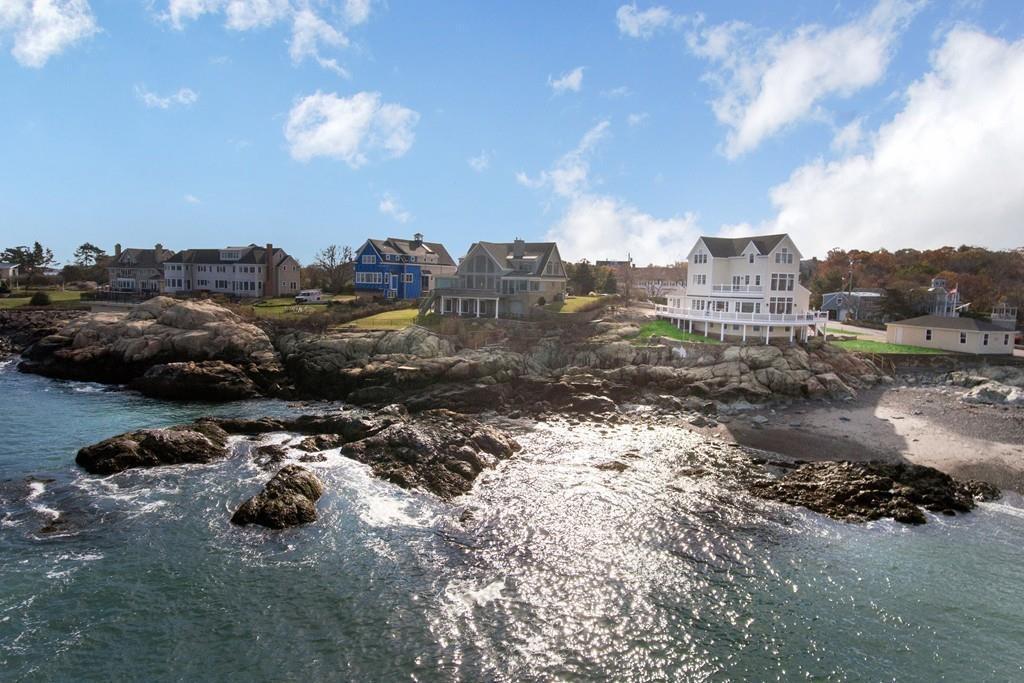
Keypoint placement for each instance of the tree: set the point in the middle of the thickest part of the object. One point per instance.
(336, 264)
(31, 261)
(583, 278)
(88, 255)
(611, 286)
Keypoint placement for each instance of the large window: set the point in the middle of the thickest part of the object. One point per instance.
(700, 257)
(780, 305)
(369, 259)
(783, 282)
(369, 278)
(783, 255)
(700, 279)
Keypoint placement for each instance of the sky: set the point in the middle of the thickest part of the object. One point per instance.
(613, 128)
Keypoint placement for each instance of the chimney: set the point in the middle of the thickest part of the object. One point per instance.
(117, 249)
(270, 277)
(518, 248)
(417, 240)
(158, 248)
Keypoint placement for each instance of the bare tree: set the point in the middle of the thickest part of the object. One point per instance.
(336, 263)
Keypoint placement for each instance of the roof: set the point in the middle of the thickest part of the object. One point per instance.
(535, 256)
(946, 323)
(401, 246)
(725, 247)
(251, 255)
(8, 265)
(663, 273)
(141, 258)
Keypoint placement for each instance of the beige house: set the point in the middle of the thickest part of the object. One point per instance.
(243, 272)
(501, 279)
(745, 289)
(137, 271)
(965, 335)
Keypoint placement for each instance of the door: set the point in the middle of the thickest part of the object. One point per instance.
(394, 285)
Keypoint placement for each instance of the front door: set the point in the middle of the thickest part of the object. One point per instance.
(394, 285)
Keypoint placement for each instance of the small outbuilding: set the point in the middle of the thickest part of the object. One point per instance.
(965, 335)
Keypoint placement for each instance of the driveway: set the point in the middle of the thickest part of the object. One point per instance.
(860, 332)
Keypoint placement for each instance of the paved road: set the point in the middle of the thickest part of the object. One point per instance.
(862, 332)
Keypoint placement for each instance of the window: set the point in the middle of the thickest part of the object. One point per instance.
(751, 258)
(1006, 340)
(757, 280)
(783, 256)
(700, 279)
(927, 335)
(369, 259)
(984, 339)
(407, 278)
(780, 305)
(700, 257)
(963, 337)
(782, 282)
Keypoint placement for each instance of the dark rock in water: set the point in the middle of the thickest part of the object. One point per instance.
(288, 499)
(196, 443)
(320, 442)
(440, 451)
(873, 490)
(612, 466)
(313, 457)
(270, 456)
(211, 380)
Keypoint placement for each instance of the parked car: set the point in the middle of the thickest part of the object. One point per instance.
(309, 296)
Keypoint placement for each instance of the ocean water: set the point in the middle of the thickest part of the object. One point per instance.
(551, 569)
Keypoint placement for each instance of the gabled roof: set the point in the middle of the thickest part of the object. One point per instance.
(141, 258)
(725, 247)
(404, 247)
(944, 323)
(251, 255)
(535, 256)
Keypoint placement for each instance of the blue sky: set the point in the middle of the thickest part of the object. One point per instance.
(610, 127)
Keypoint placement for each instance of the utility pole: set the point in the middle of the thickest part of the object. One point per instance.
(629, 277)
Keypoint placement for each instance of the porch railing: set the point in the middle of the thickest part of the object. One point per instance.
(809, 318)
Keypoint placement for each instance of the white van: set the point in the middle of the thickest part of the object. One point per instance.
(309, 296)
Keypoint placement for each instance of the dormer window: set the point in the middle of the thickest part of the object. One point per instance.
(230, 255)
(751, 256)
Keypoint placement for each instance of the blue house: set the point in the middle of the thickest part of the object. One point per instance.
(396, 268)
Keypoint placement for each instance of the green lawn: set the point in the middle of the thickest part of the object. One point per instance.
(663, 328)
(391, 320)
(572, 304)
(866, 346)
(56, 296)
(285, 306)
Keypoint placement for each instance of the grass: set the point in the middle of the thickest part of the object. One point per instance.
(572, 304)
(285, 306)
(391, 320)
(57, 296)
(663, 328)
(866, 346)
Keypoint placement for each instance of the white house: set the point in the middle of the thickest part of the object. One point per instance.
(955, 333)
(746, 289)
(244, 272)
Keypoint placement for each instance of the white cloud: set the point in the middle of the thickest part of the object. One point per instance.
(613, 93)
(192, 199)
(308, 32)
(480, 163)
(389, 206)
(849, 137)
(349, 128)
(636, 119)
(573, 80)
(183, 97)
(767, 84)
(598, 226)
(42, 29)
(947, 169)
(644, 24)
(357, 11)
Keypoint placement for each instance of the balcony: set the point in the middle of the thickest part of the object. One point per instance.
(809, 318)
(737, 289)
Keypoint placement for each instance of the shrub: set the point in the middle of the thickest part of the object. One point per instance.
(39, 299)
(541, 301)
(4, 288)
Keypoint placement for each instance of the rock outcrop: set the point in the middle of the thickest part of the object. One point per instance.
(858, 491)
(288, 499)
(201, 442)
(995, 393)
(22, 327)
(194, 341)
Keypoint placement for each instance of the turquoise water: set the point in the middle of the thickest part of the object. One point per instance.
(550, 569)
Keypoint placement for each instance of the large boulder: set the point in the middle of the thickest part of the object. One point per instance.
(856, 491)
(123, 347)
(288, 499)
(197, 443)
(995, 393)
(210, 380)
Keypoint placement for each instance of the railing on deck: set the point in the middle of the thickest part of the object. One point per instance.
(809, 318)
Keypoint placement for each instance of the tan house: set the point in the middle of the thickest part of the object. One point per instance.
(501, 279)
(965, 335)
(243, 272)
(137, 271)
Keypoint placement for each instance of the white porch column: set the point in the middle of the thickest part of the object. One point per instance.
(691, 326)
(722, 336)
(791, 331)
(767, 334)
(496, 309)
(477, 307)
(705, 328)
(458, 302)
(744, 333)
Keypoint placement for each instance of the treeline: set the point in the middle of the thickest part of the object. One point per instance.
(585, 278)
(984, 277)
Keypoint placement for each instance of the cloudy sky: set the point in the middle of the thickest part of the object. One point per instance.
(609, 127)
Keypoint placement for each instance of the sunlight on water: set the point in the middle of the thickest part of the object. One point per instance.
(597, 553)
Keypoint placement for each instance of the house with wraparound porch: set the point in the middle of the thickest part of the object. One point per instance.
(744, 289)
